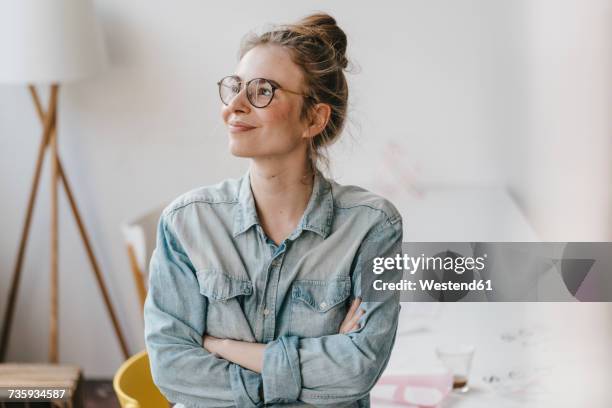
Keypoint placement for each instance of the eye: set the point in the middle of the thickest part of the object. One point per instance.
(235, 88)
(265, 92)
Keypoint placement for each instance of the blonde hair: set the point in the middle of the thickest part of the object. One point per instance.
(318, 46)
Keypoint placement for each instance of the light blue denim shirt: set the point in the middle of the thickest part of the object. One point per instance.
(215, 271)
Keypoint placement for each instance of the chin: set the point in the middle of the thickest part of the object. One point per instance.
(241, 149)
(251, 148)
(240, 153)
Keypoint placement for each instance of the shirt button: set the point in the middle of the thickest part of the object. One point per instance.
(266, 311)
(323, 304)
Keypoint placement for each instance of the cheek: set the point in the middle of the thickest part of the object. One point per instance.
(282, 120)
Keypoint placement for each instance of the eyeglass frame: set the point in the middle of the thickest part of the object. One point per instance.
(273, 83)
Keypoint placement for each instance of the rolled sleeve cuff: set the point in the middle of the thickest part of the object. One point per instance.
(282, 379)
(246, 386)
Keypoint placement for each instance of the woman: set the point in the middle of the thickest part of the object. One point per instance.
(252, 281)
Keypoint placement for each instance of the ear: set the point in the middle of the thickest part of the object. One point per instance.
(318, 119)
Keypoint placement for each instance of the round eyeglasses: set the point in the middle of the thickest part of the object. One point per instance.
(259, 91)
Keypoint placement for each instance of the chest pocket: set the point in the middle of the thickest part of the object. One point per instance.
(318, 306)
(225, 310)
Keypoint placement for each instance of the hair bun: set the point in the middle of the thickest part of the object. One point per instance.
(324, 26)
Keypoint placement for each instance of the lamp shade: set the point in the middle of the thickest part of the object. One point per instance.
(49, 41)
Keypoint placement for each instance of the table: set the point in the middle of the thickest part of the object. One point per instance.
(527, 354)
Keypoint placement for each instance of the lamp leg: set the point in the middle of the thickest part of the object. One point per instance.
(92, 260)
(83, 232)
(12, 296)
(53, 324)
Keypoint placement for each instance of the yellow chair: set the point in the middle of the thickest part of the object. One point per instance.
(134, 385)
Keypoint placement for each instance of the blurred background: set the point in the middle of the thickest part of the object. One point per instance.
(482, 120)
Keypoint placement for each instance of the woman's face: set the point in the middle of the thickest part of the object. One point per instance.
(275, 130)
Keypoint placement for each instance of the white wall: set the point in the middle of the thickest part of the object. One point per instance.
(568, 186)
(473, 91)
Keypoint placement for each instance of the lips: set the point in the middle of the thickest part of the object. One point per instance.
(239, 126)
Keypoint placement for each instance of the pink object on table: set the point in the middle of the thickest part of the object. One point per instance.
(418, 390)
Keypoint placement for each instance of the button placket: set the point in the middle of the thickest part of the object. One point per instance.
(271, 293)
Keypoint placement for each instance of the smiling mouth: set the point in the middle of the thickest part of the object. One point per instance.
(240, 128)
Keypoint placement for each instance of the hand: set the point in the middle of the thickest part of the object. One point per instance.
(246, 354)
(212, 344)
(351, 321)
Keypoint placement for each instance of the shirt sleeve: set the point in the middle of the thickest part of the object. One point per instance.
(341, 368)
(175, 321)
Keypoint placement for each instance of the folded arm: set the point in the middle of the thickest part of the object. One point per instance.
(333, 369)
(251, 355)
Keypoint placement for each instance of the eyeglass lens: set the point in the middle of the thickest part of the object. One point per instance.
(259, 91)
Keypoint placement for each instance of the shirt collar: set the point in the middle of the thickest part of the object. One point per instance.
(317, 216)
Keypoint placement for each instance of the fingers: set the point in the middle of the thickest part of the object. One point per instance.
(348, 314)
(354, 321)
(354, 305)
(351, 320)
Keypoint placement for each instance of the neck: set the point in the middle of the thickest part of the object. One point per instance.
(281, 194)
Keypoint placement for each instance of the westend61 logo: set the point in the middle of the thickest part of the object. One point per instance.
(491, 271)
(442, 262)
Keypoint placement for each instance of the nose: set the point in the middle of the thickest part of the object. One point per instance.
(239, 102)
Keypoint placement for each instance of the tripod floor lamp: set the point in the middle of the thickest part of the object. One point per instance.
(50, 42)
